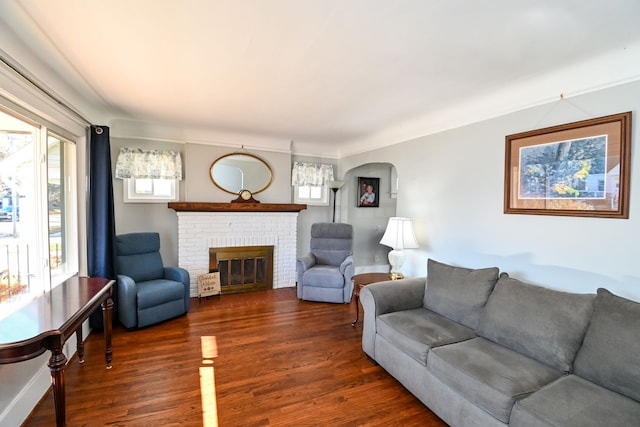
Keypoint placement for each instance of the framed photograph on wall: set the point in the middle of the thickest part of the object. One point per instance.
(368, 192)
(575, 169)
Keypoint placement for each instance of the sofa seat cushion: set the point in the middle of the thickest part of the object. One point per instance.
(610, 354)
(458, 293)
(542, 323)
(156, 292)
(324, 276)
(489, 375)
(415, 332)
(572, 401)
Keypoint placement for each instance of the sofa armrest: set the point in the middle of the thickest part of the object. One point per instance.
(127, 302)
(386, 297)
(180, 275)
(394, 295)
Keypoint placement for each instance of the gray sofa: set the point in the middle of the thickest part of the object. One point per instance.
(480, 348)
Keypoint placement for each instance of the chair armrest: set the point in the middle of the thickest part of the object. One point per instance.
(386, 297)
(346, 268)
(306, 262)
(127, 302)
(348, 262)
(303, 264)
(180, 275)
(176, 273)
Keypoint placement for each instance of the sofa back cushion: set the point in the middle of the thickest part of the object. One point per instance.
(458, 293)
(610, 354)
(542, 323)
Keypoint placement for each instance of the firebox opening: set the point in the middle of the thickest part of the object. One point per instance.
(243, 269)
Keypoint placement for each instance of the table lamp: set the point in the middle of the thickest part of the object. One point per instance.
(399, 235)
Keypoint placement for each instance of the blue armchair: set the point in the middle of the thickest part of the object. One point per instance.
(324, 274)
(148, 292)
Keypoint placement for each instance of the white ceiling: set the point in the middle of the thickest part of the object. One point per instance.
(336, 77)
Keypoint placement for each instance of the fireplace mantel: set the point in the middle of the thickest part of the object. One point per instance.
(235, 207)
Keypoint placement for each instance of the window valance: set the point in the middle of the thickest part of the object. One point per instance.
(311, 173)
(150, 164)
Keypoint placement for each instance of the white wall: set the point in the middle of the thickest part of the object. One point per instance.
(369, 223)
(200, 188)
(315, 213)
(451, 184)
(139, 217)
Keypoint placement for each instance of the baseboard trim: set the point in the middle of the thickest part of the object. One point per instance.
(35, 389)
(19, 409)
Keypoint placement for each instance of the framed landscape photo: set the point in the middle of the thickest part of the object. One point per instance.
(575, 169)
(368, 192)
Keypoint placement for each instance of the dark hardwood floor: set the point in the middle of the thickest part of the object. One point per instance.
(255, 359)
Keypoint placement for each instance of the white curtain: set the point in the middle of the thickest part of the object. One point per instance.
(150, 164)
(311, 173)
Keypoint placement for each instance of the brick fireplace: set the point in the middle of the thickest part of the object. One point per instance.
(202, 226)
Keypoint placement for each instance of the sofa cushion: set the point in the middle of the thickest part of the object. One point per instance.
(572, 401)
(541, 323)
(458, 293)
(489, 375)
(610, 354)
(415, 332)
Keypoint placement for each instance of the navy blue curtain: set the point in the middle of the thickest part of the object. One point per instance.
(101, 233)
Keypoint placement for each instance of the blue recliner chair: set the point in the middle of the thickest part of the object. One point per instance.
(148, 292)
(324, 274)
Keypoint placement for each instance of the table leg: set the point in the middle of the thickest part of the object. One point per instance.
(107, 313)
(56, 364)
(80, 345)
(357, 311)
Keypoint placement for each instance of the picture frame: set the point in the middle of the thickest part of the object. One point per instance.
(578, 169)
(368, 192)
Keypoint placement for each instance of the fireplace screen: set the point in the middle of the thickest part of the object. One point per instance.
(243, 269)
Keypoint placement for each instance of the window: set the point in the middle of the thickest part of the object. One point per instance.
(149, 176)
(309, 181)
(311, 194)
(38, 220)
(61, 202)
(145, 190)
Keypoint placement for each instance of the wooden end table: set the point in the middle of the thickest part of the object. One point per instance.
(362, 280)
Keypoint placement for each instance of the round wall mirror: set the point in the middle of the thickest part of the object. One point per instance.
(240, 171)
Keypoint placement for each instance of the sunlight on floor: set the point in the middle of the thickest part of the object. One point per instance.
(209, 347)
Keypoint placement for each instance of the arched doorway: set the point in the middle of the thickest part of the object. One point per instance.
(369, 222)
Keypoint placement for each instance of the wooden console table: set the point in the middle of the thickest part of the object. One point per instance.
(49, 320)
